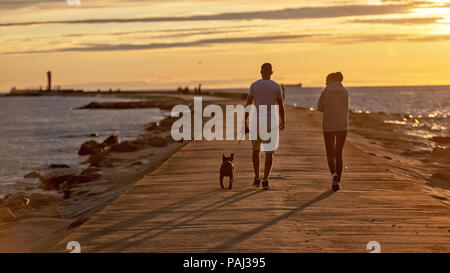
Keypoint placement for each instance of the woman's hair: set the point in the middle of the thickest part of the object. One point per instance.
(335, 77)
(339, 76)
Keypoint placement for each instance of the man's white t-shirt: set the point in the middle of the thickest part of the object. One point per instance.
(265, 92)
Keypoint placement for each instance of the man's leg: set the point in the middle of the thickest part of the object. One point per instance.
(268, 166)
(256, 163)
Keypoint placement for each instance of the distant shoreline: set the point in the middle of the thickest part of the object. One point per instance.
(168, 91)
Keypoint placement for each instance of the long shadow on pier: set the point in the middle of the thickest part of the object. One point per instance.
(233, 241)
(202, 213)
(122, 244)
(145, 216)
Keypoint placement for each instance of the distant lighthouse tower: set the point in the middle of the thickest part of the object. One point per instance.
(49, 80)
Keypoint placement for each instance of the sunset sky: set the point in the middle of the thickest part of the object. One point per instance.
(162, 44)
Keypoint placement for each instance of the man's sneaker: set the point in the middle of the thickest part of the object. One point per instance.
(256, 182)
(336, 185)
(266, 185)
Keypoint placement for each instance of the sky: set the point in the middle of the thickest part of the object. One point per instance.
(163, 44)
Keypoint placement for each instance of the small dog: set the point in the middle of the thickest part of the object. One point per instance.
(227, 169)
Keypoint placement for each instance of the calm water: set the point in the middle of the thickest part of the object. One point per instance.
(39, 131)
(405, 100)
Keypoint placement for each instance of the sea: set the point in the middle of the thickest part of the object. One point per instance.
(38, 131)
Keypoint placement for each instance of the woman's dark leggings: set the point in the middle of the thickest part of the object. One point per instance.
(334, 144)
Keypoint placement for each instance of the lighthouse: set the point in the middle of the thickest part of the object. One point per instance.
(49, 80)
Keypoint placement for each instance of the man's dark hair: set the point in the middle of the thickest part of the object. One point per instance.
(266, 67)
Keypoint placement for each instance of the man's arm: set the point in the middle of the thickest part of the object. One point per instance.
(280, 103)
(249, 101)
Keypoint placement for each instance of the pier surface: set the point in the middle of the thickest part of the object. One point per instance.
(180, 208)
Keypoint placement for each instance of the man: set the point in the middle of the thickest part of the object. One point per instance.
(265, 92)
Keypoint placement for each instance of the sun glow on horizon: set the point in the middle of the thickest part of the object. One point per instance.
(374, 2)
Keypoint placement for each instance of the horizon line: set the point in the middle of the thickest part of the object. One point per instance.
(232, 88)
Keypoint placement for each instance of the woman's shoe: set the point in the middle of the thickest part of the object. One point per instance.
(336, 185)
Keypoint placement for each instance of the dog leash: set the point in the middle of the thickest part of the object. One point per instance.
(239, 143)
(237, 146)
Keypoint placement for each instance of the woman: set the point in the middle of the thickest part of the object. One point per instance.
(333, 103)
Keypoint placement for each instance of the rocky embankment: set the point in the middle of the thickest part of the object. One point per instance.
(393, 132)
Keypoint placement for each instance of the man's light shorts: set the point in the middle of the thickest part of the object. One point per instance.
(256, 145)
